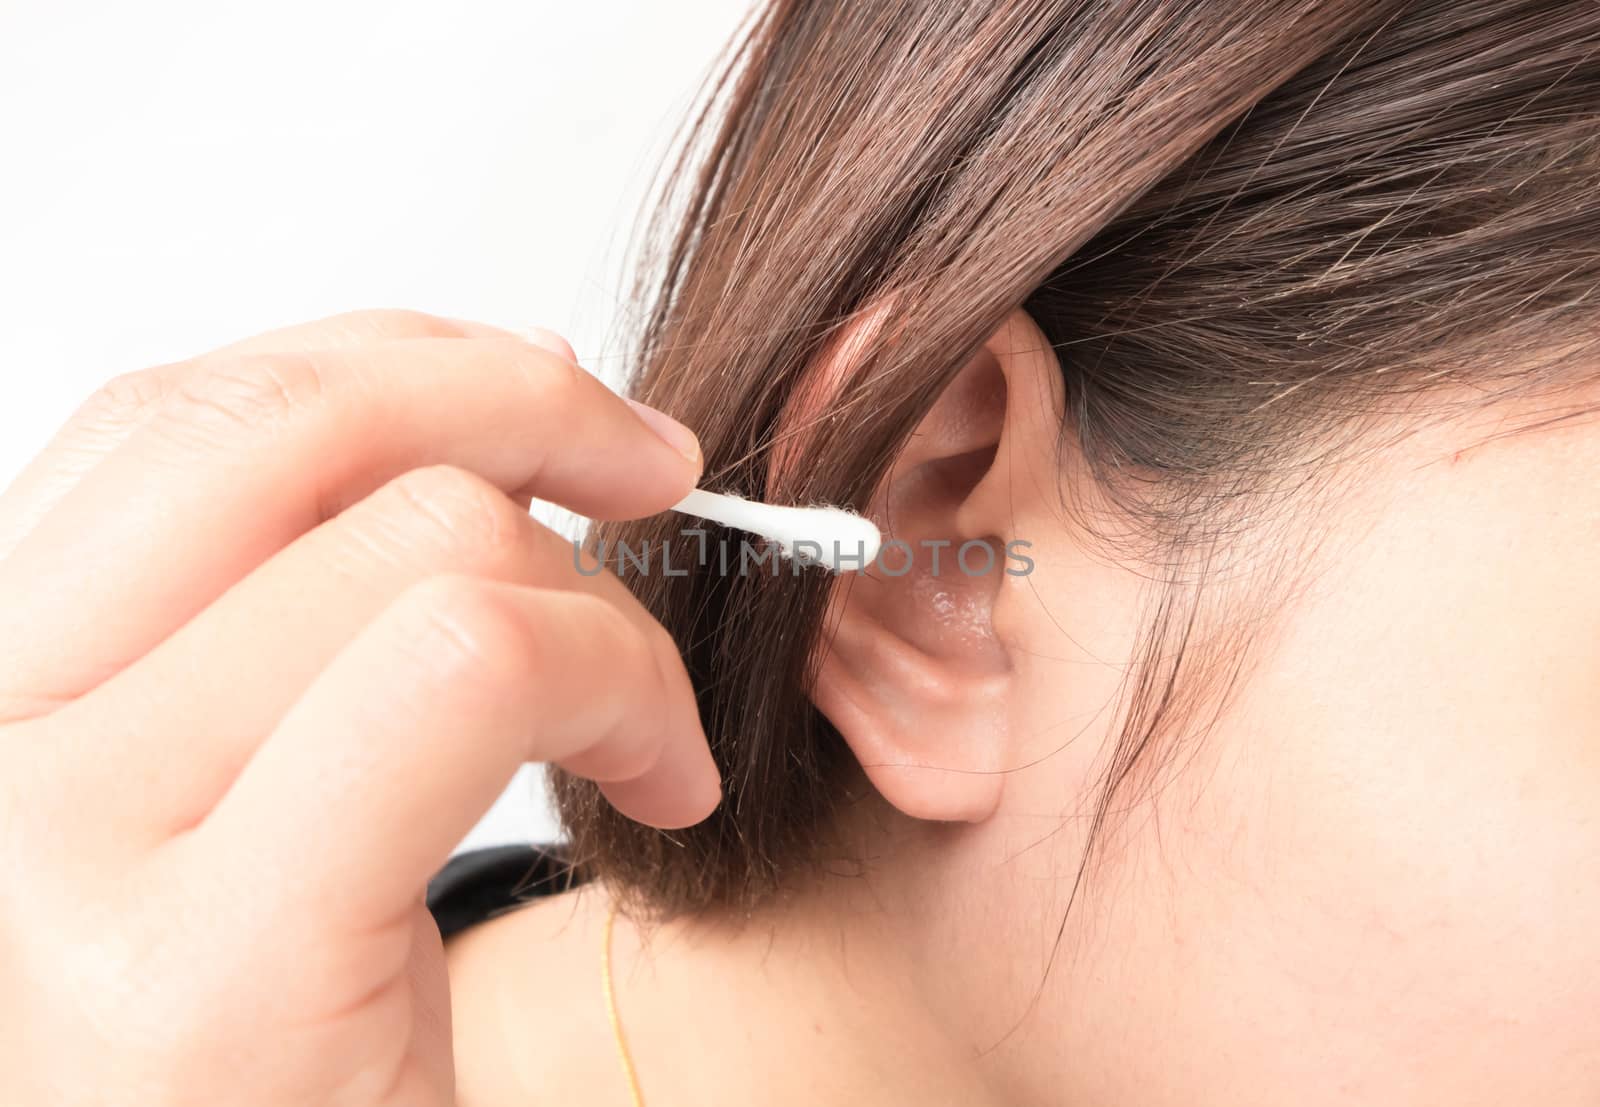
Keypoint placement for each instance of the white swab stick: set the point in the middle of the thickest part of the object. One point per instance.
(835, 538)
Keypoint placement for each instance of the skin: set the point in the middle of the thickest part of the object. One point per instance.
(1367, 882)
(228, 765)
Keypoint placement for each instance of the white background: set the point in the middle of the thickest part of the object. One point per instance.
(179, 174)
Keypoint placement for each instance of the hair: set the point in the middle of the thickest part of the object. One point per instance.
(1244, 226)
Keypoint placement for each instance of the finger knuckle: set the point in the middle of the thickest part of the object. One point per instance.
(259, 391)
(128, 396)
(557, 381)
(660, 640)
(469, 628)
(120, 979)
(455, 511)
(659, 652)
(635, 646)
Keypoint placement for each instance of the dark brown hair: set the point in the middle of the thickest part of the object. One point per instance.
(1244, 225)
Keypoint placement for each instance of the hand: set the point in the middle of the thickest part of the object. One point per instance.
(275, 630)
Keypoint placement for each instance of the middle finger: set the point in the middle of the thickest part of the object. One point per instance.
(244, 661)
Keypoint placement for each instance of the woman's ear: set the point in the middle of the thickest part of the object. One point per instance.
(914, 674)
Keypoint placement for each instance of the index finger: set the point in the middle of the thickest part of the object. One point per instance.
(256, 450)
(106, 419)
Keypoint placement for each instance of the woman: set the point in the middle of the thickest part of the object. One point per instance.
(1262, 330)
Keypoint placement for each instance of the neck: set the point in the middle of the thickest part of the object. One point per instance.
(897, 986)
(819, 1001)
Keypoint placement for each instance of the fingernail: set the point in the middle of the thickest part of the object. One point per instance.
(548, 339)
(674, 433)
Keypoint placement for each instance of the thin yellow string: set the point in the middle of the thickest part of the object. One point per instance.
(611, 1010)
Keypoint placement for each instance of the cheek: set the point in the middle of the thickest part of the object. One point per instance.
(1400, 908)
(1387, 856)
(1376, 879)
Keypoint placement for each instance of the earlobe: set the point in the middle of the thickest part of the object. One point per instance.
(931, 738)
(913, 674)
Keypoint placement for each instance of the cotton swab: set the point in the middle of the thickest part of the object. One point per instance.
(829, 536)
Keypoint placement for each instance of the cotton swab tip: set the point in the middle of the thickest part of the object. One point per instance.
(832, 537)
